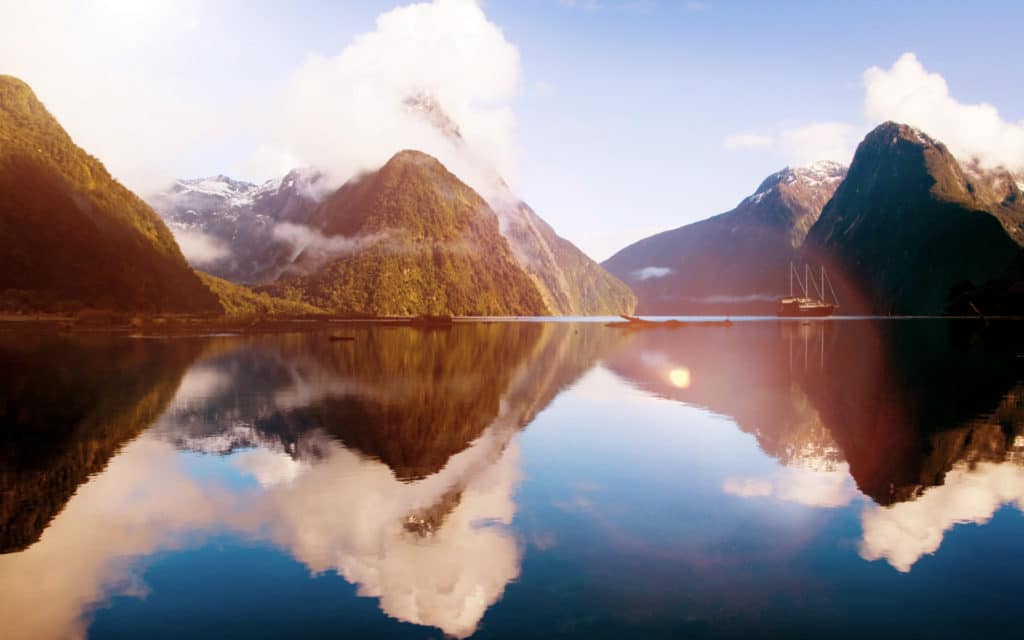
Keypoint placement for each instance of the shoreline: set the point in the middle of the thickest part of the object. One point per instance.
(183, 324)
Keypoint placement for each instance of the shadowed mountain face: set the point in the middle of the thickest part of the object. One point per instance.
(410, 239)
(70, 235)
(66, 407)
(736, 262)
(908, 223)
(882, 398)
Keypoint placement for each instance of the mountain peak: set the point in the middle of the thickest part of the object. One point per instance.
(908, 222)
(12, 86)
(891, 133)
(821, 173)
(406, 156)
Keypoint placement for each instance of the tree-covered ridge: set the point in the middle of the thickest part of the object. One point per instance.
(421, 242)
(239, 300)
(72, 236)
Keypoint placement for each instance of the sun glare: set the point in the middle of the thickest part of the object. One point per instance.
(680, 377)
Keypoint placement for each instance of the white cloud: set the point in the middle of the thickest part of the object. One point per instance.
(302, 238)
(199, 248)
(816, 141)
(648, 273)
(821, 488)
(904, 532)
(748, 141)
(908, 93)
(140, 503)
(748, 487)
(802, 145)
(345, 114)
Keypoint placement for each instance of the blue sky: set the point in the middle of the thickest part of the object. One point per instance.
(622, 110)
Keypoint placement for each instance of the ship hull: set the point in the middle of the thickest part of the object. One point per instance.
(796, 308)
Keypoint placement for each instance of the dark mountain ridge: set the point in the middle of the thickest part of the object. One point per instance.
(908, 223)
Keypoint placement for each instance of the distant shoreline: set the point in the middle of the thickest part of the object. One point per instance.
(183, 324)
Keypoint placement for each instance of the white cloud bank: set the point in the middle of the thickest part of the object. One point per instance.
(908, 93)
(345, 114)
(199, 248)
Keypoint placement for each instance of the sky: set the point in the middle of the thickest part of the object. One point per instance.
(613, 119)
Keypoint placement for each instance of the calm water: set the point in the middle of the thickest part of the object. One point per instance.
(840, 479)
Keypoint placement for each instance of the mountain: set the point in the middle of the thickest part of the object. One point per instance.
(909, 222)
(409, 238)
(735, 262)
(244, 233)
(229, 228)
(70, 235)
(569, 281)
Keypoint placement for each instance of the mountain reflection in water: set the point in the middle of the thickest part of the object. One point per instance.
(912, 415)
(395, 460)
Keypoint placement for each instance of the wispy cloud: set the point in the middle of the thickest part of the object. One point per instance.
(748, 141)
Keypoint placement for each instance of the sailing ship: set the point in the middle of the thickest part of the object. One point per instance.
(805, 306)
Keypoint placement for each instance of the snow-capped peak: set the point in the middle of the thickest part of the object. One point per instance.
(824, 173)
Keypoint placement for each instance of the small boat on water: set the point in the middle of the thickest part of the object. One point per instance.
(806, 306)
(635, 322)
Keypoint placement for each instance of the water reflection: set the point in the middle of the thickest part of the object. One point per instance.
(389, 459)
(868, 406)
(395, 461)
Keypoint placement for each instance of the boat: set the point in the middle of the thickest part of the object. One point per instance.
(806, 306)
(636, 322)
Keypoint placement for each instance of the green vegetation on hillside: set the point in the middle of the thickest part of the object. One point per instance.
(424, 243)
(239, 300)
(71, 236)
